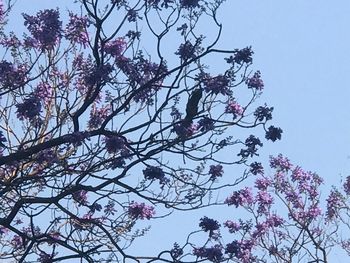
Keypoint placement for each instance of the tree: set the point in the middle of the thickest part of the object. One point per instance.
(283, 218)
(104, 124)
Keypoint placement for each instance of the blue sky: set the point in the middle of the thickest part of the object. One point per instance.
(301, 47)
(302, 50)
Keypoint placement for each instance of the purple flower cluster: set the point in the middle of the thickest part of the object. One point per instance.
(209, 225)
(234, 108)
(45, 27)
(116, 47)
(11, 41)
(345, 244)
(280, 163)
(243, 55)
(334, 203)
(80, 197)
(299, 191)
(76, 29)
(262, 183)
(293, 197)
(280, 180)
(256, 168)
(115, 144)
(30, 108)
(313, 213)
(241, 250)
(206, 124)
(97, 116)
(44, 91)
(120, 161)
(215, 171)
(188, 51)
(54, 235)
(142, 72)
(30, 42)
(232, 248)
(145, 95)
(216, 85)
(154, 173)
(31, 231)
(176, 251)
(255, 82)
(252, 144)
(81, 63)
(140, 211)
(17, 242)
(263, 113)
(7, 170)
(189, 3)
(273, 133)
(129, 68)
(183, 130)
(151, 70)
(120, 2)
(98, 75)
(275, 221)
(346, 185)
(156, 3)
(299, 175)
(83, 66)
(213, 254)
(47, 157)
(132, 15)
(77, 138)
(233, 227)
(260, 230)
(264, 200)
(241, 198)
(45, 258)
(10, 76)
(306, 215)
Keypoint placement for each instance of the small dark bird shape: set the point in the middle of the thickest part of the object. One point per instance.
(192, 105)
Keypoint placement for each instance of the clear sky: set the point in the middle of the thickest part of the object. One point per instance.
(302, 50)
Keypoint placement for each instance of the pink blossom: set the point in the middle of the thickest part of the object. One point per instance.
(140, 211)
